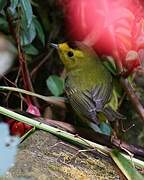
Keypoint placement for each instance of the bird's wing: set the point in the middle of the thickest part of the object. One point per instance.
(112, 115)
(88, 102)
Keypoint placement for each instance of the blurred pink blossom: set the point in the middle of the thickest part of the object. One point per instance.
(112, 27)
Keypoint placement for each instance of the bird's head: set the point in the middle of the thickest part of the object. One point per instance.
(73, 55)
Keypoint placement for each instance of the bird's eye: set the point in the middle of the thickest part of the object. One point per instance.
(70, 54)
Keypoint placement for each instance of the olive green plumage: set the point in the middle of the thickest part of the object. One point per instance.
(88, 84)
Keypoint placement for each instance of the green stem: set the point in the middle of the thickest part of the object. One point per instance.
(75, 139)
(58, 101)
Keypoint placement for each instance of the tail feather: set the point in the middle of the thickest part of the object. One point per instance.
(112, 115)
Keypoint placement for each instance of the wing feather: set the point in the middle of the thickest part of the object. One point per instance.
(87, 103)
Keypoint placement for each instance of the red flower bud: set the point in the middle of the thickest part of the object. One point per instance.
(33, 110)
(18, 129)
(27, 127)
(10, 122)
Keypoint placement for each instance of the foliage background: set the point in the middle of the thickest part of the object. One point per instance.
(35, 28)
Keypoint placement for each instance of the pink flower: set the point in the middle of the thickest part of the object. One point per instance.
(33, 110)
(112, 27)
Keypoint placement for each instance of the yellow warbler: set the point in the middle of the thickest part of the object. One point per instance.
(88, 83)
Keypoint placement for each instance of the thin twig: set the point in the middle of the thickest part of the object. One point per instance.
(58, 101)
(128, 89)
(21, 57)
(133, 98)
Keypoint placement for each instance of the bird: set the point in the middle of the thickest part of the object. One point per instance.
(88, 83)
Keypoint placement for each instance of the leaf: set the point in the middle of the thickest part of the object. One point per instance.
(30, 50)
(126, 166)
(8, 148)
(27, 35)
(114, 100)
(39, 30)
(13, 5)
(55, 85)
(2, 4)
(27, 11)
(3, 24)
(110, 64)
(105, 128)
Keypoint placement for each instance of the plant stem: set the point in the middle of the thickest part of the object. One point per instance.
(65, 135)
(133, 97)
(21, 57)
(129, 90)
(58, 101)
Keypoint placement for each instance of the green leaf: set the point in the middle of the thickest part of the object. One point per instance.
(27, 35)
(105, 128)
(55, 85)
(39, 30)
(126, 166)
(2, 4)
(114, 100)
(13, 5)
(3, 24)
(30, 50)
(110, 64)
(27, 11)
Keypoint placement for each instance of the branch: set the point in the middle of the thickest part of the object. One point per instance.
(128, 88)
(95, 136)
(21, 57)
(58, 101)
(65, 135)
(133, 98)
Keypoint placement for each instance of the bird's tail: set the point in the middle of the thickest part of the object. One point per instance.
(112, 115)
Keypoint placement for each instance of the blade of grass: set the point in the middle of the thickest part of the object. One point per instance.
(27, 134)
(126, 166)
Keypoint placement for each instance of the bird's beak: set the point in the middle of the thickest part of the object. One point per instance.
(54, 45)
